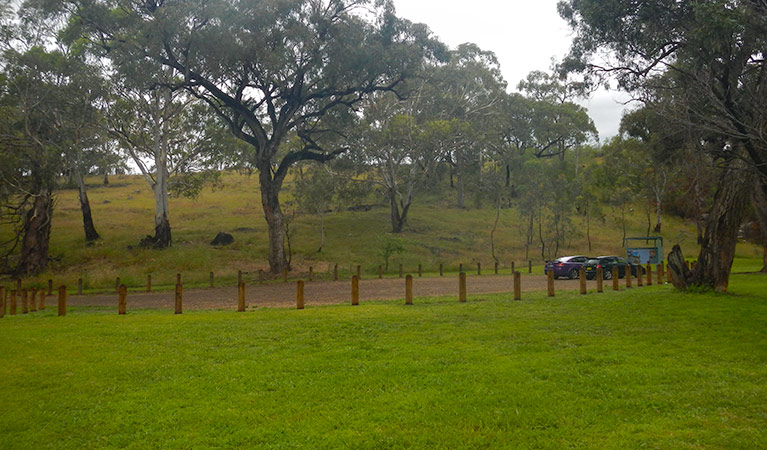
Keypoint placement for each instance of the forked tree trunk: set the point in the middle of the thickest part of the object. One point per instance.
(398, 217)
(85, 206)
(270, 200)
(37, 233)
(721, 235)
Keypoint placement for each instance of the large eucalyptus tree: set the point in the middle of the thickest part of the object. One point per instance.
(707, 60)
(268, 68)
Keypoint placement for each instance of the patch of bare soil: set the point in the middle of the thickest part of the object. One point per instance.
(283, 295)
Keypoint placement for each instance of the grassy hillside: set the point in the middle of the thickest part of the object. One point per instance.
(437, 233)
(646, 368)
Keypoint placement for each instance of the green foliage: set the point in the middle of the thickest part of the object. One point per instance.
(388, 246)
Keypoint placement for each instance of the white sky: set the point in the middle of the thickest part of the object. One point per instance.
(524, 35)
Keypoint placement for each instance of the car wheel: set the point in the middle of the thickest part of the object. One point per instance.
(607, 274)
(573, 274)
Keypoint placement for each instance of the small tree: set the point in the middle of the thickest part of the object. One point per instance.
(314, 193)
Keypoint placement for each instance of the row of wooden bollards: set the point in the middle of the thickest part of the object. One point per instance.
(355, 292)
(30, 300)
(599, 277)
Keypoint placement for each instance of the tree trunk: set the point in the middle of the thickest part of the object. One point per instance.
(37, 233)
(85, 206)
(658, 218)
(461, 189)
(721, 235)
(398, 218)
(508, 175)
(270, 200)
(759, 200)
(106, 177)
(162, 232)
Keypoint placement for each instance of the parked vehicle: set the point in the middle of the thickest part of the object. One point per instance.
(607, 263)
(566, 266)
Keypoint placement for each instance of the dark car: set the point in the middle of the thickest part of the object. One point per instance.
(566, 266)
(607, 263)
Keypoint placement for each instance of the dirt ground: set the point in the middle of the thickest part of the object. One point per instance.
(283, 295)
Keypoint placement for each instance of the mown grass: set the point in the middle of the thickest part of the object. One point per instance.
(646, 368)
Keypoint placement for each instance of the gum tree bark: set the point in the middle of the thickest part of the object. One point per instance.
(37, 233)
(722, 226)
(85, 207)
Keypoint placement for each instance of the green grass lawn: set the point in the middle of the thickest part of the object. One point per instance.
(647, 368)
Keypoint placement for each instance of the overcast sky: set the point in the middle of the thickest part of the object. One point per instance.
(524, 35)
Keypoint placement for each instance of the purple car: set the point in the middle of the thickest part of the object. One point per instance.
(566, 266)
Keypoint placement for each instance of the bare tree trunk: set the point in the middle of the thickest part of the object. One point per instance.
(721, 236)
(588, 229)
(270, 192)
(759, 200)
(322, 231)
(37, 233)
(85, 206)
(495, 227)
(461, 189)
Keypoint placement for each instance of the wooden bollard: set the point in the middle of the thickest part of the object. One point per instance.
(462, 287)
(460, 268)
(79, 286)
(479, 268)
(659, 270)
(616, 285)
(355, 290)
(210, 279)
(122, 300)
(600, 280)
(2, 302)
(285, 275)
(178, 278)
(517, 286)
(335, 272)
(50, 287)
(41, 298)
(239, 278)
(117, 284)
(420, 271)
(441, 273)
(409, 290)
(380, 272)
(582, 280)
(400, 270)
(149, 283)
(179, 299)
(649, 275)
(12, 308)
(529, 266)
(62, 300)
(32, 299)
(24, 300)
(359, 271)
(640, 280)
(241, 297)
(300, 294)
(496, 268)
(627, 275)
(550, 282)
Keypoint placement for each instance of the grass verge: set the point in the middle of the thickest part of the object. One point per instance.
(646, 368)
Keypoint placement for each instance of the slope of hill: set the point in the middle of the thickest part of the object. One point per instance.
(437, 232)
